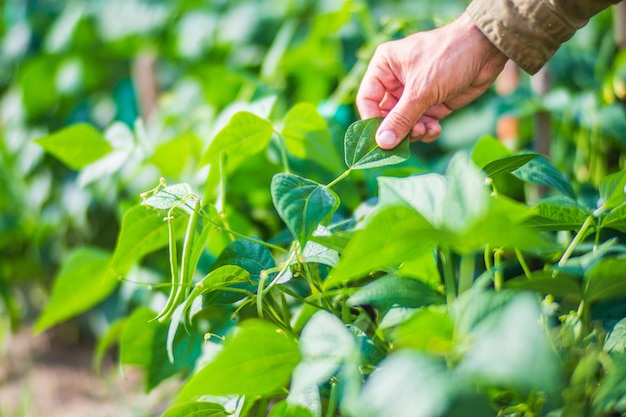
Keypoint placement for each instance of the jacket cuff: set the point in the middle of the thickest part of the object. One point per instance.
(528, 33)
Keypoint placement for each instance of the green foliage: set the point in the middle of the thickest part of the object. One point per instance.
(401, 283)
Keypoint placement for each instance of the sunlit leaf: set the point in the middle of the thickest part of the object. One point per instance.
(394, 290)
(612, 189)
(508, 164)
(361, 150)
(429, 330)
(169, 196)
(76, 146)
(425, 193)
(142, 344)
(197, 409)
(302, 204)
(558, 213)
(561, 286)
(616, 338)
(143, 231)
(400, 234)
(488, 149)
(407, 384)
(307, 137)
(257, 359)
(82, 282)
(616, 219)
(605, 280)
(540, 171)
(285, 409)
(244, 135)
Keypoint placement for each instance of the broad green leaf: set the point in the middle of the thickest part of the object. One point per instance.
(143, 344)
(393, 290)
(467, 196)
(361, 150)
(169, 196)
(172, 157)
(612, 190)
(488, 149)
(558, 213)
(616, 219)
(302, 204)
(307, 137)
(605, 280)
(616, 338)
(250, 256)
(509, 348)
(143, 231)
(197, 409)
(317, 253)
(393, 235)
(429, 330)
(257, 359)
(578, 266)
(76, 146)
(285, 409)
(325, 343)
(407, 384)
(106, 341)
(336, 241)
(562, 286)
(540, 171)
(508, 164)
(425, 193)
(244, 135)
(82, 282)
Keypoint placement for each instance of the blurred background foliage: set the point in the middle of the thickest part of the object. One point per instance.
(161, 78)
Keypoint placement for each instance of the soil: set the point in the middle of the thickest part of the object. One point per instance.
(50, 375)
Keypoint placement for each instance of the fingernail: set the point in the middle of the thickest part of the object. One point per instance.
(386, 138)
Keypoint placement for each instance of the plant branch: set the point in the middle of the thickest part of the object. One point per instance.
(577, 239)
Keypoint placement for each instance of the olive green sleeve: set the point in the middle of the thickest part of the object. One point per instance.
(530, 31)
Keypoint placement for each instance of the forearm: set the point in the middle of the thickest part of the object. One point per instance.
(530, 31)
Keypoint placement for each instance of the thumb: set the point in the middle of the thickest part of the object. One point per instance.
(398, 123)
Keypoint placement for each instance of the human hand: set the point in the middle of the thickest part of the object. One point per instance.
(417, 81)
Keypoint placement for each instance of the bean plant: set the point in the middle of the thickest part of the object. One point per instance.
(443, 296)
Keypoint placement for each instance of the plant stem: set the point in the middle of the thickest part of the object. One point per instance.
(523, 264)
(283, 151)
(498, 276)
(339, 178)
(577, 239)
(448, 275)
(332, 400)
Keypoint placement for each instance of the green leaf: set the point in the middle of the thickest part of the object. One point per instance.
(302, 204)
(407, 384)
(244, 135)
(508, 164)
(336, 241)
(82, 282)
(169, 196)
(391, 236)
(361, 150)
(106, 341)
(562, 286)
(610, 397)
(197, 409)
(393, 290)
(257, 359)
(250, 256)
(307, 137)
(612, 190)
(540, 171)
(488, 149)
(142, 344)
(76, 146)
(425, 193)
(285, 409)
(616, 338)
(509, 348)
(558, 213)
(605, 280)
(172, 157)
(616, 219)
(143, 231)
(429, 329)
